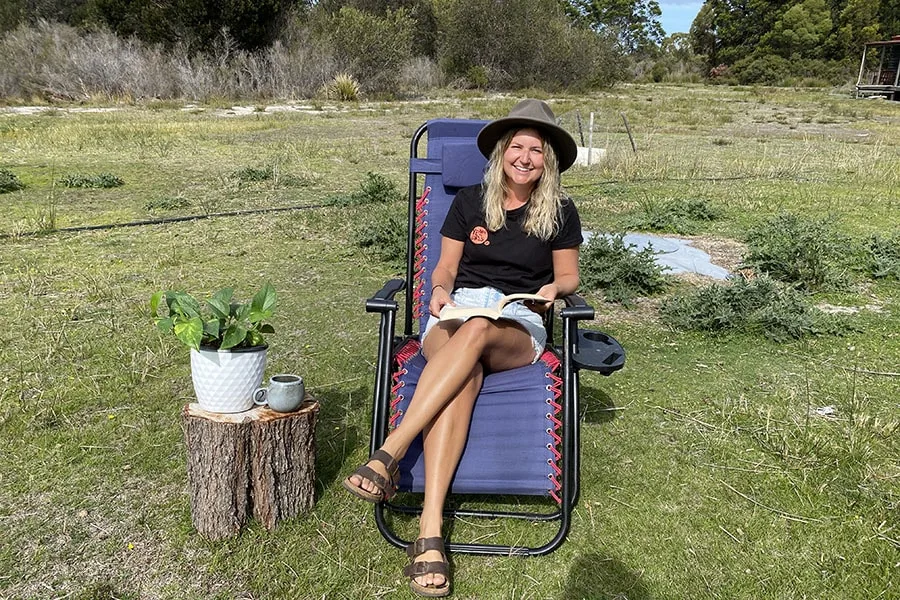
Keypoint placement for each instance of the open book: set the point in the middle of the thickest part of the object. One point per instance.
(492, 312)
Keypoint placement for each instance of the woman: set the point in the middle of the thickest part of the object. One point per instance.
(516, 232)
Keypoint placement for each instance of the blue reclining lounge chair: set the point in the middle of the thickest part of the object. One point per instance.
(524, 435)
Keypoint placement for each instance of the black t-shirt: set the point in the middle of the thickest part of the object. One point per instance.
(508, 259)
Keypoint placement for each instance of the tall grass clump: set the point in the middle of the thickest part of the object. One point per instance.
(672, 215)
(622, 273)
(759, 306)
(810, 254)
(10, 182)
(343, 87)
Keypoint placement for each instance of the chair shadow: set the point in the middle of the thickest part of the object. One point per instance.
(597, 407)
(595, 576)
(336, 435)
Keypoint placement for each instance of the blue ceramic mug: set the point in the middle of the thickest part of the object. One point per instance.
(284, 394)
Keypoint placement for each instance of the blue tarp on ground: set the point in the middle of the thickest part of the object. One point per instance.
(675, 255)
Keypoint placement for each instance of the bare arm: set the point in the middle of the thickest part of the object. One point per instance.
(444, 274)
(565, 275)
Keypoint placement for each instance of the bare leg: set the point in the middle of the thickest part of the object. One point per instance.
(452, 357)
(444, 439)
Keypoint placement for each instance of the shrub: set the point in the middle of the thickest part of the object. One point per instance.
(761, 306)
(807, 253)
(374, 189)
(372, 47)
(101, 180)
(673, 215)
(342, 86)
(384, 234)
(9, 182)
(254, 174)
(608, 264)
(170, 203)
(524, 43)
(420, 74)
(882, 257)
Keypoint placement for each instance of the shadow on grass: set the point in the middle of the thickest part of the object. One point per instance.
(600, 577)
(337, 433)
(596, 405)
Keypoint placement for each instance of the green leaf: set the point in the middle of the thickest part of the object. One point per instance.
(165, 325)
(184, 304)
(266, 328)
(240, 311)
(234, 335)
(190, 331)
(263, 304)
(154, 301)
(220, 303)
(212, 328)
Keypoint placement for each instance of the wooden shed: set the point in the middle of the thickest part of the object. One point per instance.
(879, 71)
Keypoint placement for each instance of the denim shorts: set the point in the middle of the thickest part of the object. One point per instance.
(514, 311)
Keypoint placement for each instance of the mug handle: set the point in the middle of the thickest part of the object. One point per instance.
(261, 396)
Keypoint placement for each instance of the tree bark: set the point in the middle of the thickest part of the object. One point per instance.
(259, 462)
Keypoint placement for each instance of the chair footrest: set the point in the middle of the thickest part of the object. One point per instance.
(597, 351)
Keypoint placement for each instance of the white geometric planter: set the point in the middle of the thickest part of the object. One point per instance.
(224, 381)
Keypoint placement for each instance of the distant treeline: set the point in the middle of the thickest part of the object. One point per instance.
(201, 49)
(768, 40)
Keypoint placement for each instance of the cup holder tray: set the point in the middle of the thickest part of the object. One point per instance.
(597, 351)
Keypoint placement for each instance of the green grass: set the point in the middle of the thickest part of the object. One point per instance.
(707, 470)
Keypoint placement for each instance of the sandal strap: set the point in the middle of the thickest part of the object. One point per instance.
(422, 545)
(390, 464)
(418, 569)
(383, 484)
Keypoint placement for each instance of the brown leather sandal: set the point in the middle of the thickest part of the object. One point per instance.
(386, 488)
(417, 569)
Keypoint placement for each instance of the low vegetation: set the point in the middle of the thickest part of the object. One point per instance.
(748, 450)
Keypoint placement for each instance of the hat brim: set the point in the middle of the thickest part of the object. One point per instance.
(563, 143)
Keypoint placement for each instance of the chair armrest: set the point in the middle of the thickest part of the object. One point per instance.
(576, 308)
(383, 300)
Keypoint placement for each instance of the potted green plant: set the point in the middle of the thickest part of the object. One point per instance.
(226, 339)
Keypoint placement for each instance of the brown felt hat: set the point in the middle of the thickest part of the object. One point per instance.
(536, 114)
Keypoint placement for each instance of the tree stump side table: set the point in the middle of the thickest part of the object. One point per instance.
(258, 462)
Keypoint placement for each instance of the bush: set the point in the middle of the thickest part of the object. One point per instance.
(373, 48)
(101, 180)
(809, 254)
(608, 264)
(882, 257)
(9, 182)
(761, 306)
(769, 69)
(524, 43)
(673, 215)
(342, 87)
(375, 189)
(383, 232)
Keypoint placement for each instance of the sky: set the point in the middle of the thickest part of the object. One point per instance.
(677, 15)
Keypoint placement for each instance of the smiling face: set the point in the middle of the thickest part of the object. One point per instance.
(523, 160)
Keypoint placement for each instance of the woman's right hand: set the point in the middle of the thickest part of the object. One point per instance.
(439, 299)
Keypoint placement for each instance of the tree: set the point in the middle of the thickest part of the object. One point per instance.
(635, 23)
(800, 31)
(252, 24)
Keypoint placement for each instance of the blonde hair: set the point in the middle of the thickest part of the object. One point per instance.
(541, 216)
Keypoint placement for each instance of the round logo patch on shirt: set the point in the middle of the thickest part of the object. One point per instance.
(479, 235)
